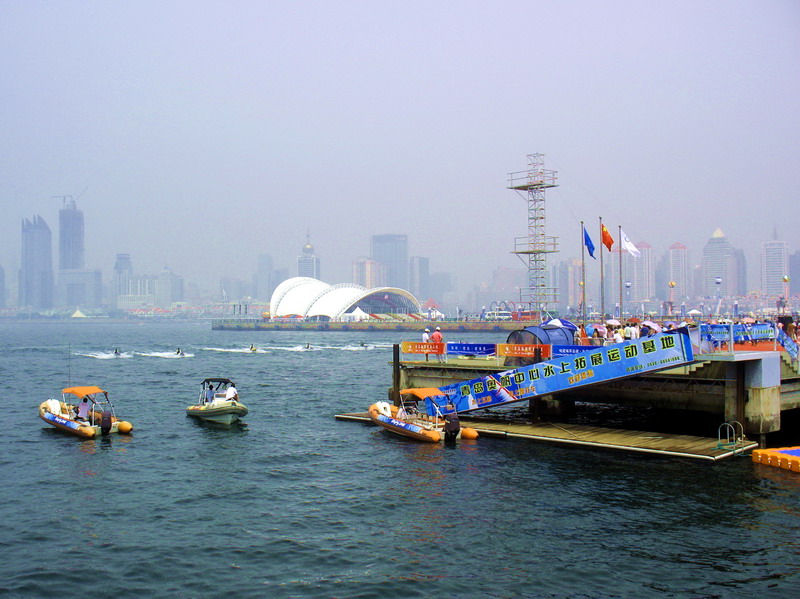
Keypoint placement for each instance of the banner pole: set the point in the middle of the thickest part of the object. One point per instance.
(583, 276)
(602, 277)
(619, 249)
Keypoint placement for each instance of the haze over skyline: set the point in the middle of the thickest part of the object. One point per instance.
(198, 135)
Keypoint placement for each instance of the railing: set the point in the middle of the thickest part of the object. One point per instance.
(713, 338)
(707, 339)
(494, 352)
(787, 343)
(734, 438)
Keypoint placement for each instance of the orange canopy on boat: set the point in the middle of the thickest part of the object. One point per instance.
(422, 392)
(81, 391)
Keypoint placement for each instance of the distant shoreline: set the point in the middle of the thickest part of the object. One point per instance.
(222, 324)
(386, 326)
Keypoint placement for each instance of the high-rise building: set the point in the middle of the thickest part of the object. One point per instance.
(774, 266)
(369, 273)
(567, 279)
(741, 271)
(131, 291)
(123, 274)
(36, 270)
(76, 285)
(80, 288)
(134, 291)
(794, 273)
(392, 252)
(678, 271)
(698, 281)
(616, 286)
(643, 283)
(442, 286)
(70, 237)
(307, 262)
(263, 281)
(280, 275)
(233, 289)
(720, 267)
(419, 277)
(168, 288)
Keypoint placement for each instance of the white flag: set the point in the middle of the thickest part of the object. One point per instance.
(628, 245)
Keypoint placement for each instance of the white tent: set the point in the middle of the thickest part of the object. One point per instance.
(356, 315)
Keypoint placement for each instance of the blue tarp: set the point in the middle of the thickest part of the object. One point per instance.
(541, 335)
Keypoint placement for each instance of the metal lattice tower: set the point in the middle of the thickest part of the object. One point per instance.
(531, 185)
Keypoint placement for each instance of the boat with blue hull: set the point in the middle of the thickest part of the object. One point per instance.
(93, 415)
(406, 419)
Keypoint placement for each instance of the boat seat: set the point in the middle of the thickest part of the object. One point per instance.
(54, 406)
(411, 408)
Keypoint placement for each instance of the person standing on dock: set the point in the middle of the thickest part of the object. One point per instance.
(426, 336)
(437, 337)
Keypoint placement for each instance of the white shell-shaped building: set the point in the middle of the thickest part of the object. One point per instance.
(315, 300)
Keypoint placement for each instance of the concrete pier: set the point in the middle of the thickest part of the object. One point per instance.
(750, 387)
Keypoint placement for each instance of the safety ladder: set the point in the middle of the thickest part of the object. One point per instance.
(733, 433)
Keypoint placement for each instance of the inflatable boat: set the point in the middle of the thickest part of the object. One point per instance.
(408, 421)
(91, 416)
(217, 404)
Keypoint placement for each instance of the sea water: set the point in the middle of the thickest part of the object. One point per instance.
(297, 504)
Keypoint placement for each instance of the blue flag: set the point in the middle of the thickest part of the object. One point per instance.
(588, 243)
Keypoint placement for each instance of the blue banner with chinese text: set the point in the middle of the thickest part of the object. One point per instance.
(471, 349)
(596, 365)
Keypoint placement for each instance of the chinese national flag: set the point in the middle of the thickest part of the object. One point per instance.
(606, 238)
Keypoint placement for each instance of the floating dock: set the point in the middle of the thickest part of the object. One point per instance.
(665, 444)
(787, 458)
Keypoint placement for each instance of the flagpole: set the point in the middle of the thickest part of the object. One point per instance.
(583, 275)
(619, 237)
(602, 277)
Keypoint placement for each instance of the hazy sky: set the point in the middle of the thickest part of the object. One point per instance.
(199, 134)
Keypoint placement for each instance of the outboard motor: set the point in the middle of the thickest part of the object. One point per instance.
(451, 428)
(105, 423)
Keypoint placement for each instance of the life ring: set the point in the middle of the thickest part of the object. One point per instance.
(384, 408)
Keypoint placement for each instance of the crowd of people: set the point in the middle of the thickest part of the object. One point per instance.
(606, 335)
(617, 333)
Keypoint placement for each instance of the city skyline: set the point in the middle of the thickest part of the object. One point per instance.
(200, 139)
(720, 261)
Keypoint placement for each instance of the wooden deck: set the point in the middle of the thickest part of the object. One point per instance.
(684, 446)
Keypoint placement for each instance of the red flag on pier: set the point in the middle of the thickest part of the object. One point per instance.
(606, 238)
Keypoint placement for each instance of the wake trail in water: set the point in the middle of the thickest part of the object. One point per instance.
(99, 355)
(164, 354)
(236, 350)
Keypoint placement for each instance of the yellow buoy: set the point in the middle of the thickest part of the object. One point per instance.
(124, 427)
(469, 433)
